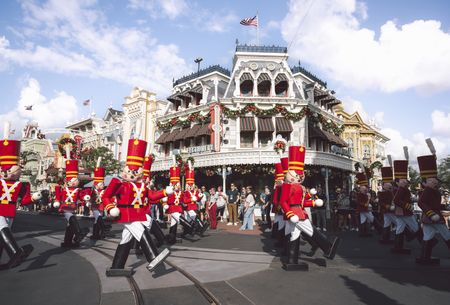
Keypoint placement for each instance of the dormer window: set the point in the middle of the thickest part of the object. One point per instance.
(246, 84)
(264, 84)
(281, 85)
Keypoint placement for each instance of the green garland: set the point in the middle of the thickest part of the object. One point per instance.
(195, 117)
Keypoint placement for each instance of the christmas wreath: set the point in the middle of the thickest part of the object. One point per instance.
(280, 146)
(64, 141)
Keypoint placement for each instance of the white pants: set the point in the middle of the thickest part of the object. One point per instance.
(296, 228)
(96, 215)
(389, 219)
(406, 221)
(366, 216)
(134, 229)
(175, 219)
(281, 222)
(6, 222)
(429, 230)
(191, 215)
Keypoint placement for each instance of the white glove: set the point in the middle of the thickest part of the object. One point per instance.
(318, 203)
(56, 204)
(194, 198)
(392, 207)
(165, 207)
(88, 204)
(294, 219)
(369, 206)
(36, 196)
(200, 195)
(435, 218)
(114, 212)
(169, 190)
(164, 199)
(86, 198)
(313, 191)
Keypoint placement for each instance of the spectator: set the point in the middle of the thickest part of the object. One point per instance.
(212, 208)
(267, 207)
(233, 199)
(204, 203)
(321, 212)
(261, 203)
(343, 210)
(242, 197)
(221, 203)
(249, 206)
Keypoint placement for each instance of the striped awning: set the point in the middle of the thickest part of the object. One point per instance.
(315, 132)
(263, 77)
(182, 134)
(162, 138)
(193, 131)
(197, 89)
(246, 76)
(248, 124)
(203, 131)
(280, 77)
(265, 125)
(172, 135)
(283, 125)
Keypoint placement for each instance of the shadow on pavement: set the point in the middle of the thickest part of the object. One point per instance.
(366, 294)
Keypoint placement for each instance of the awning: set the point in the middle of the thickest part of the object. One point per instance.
(197, 89)
(193, 131)
(174, 98)
(280, 77)
(283, 125)
(171, 136)
(315, 132)
(203, 131)
(248, 124)
(265, 125)
(246, 76)
(263, 77)
(182, 134)
(162, 138)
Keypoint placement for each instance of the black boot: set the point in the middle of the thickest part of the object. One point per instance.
(119, 260)
(377, 225)
(292, 257)
(285, 249)
(386, 236)
(364, 230)
(202, 227)
(68, 236)
(16, 254)
(78, 233)
(96, 232)
(274, 230)
(399, 245)
(329, 248)
(136, 247)
(314, 245)
(101, 227)
(172, 236)
(280, 240)
(156, 230)
(425, 254)
(151, 251)
(187, 227)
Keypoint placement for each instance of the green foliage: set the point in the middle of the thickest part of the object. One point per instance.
(444, 172)
(414, 178)
(89, 157)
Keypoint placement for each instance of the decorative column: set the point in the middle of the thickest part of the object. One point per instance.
(216, 125)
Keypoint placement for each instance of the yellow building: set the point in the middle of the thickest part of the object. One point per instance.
(365, 143)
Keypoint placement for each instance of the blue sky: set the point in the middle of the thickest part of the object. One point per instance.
(389, 60)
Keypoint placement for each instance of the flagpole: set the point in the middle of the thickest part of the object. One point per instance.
(90, 107)
(257, 28)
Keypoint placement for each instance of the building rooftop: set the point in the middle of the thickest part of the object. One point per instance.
(261, 49)
(300, 69)
(210, 69)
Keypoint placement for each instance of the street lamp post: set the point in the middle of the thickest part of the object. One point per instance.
(325, 173)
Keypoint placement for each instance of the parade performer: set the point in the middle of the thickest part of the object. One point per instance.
(403, 209)
(174, 206)
(279, 177)
(430, 203)
(191, 196)
(294, 199)
(283, 240)
(93, 199)
(67, 199)
(385, 202)
(364, 208)
(11, 191)
(131, 210)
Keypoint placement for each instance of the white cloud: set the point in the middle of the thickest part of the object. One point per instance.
(74, 37)
(48, 113)
(441, 123)
(218, 22)
(351, 105)
(401, 57)
(169, 8)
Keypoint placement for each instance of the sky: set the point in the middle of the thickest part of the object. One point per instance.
(388, 60)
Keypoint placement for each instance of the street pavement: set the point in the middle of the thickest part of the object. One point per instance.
(226, 266)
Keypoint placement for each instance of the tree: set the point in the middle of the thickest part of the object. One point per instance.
(414, 178)
(89, 157)
(444, 172)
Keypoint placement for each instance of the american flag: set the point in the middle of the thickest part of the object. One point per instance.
(86, 102)
(250, 21)
(30, 107)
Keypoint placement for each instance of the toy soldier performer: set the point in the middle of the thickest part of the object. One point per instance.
(294, 199)
(364, 207)
(11, 191)
(67, 199)
(93, 197)
(387, 207)
(191, 196)
(131, 209)
(430, 203)
(279, 177)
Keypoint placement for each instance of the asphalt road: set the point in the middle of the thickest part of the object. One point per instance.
(232, 268)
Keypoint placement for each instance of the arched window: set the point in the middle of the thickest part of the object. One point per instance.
(264, 84)
(246, 84)
(281, 85)
(366, 151)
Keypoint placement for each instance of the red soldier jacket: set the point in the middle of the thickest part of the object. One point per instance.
(402, 201)
(384, 201)
(430, 203)
(11, 191)
(68, 197)
(276, 208)
(130, 198)
(175, 202)
(294, 199)
(96, 197)
(362, 202)
(191, 204)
